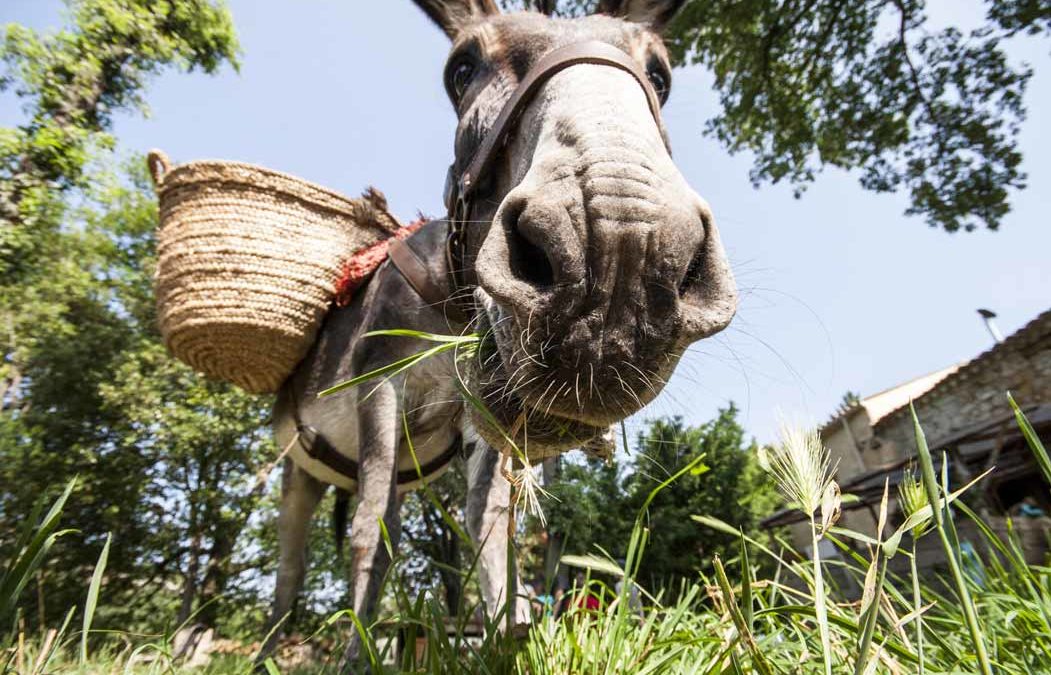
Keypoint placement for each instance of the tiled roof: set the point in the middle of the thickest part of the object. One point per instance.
(880, 404)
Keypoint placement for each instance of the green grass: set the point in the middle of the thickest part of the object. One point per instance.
(991, 616)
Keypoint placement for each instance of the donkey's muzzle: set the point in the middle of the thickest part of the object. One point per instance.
(626, 271)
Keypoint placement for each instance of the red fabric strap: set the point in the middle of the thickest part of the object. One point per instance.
(364, 262)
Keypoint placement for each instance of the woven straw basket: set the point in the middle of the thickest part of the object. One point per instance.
(247, 264)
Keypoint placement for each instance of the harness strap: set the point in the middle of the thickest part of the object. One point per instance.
(318, 448)
(415, 271)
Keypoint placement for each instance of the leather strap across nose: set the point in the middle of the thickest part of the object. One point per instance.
(591, 52)
(460, 188)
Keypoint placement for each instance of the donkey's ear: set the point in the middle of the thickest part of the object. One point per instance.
(452, 15)
(654, 13)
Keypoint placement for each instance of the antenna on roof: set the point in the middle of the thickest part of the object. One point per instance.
(988, 317)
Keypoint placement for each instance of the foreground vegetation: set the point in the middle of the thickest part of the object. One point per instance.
(781, 612)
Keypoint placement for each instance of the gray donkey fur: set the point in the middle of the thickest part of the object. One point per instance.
(593, 266)
(367, 422)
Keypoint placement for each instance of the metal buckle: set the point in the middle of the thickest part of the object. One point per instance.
(451, 185)
(308, 436)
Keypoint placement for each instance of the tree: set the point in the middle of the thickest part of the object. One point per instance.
(598, 502)
(732, 487)
(72, 83)
(85, 386)
(806, 84)
(591, 507)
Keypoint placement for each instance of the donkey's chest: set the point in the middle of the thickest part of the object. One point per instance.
(427, 421)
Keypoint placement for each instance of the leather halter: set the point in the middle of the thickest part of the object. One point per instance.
(459, 189)
(414, 270)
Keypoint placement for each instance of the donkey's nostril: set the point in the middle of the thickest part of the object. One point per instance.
(529, 262)
(693, 273)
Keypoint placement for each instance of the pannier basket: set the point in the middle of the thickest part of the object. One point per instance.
(248, 260)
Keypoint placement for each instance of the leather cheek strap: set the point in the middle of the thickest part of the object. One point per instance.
(416, 273)
(591, 52)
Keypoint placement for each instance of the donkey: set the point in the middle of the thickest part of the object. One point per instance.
(573, 245)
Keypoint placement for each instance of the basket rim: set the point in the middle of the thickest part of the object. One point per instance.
(183, 175)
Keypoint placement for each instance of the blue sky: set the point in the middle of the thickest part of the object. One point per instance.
(840, 291)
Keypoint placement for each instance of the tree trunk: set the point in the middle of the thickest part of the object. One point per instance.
(555, 575)
(189, 584)
(216, 574)
(451, 580)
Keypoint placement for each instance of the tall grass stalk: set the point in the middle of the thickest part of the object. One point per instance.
(913, 499)
(30, 551)
(872, 592)
(803, 470)
(820, 600)
(1035, 445)
(739, 620)
(710, 627)
(940, 516)
(524, 482)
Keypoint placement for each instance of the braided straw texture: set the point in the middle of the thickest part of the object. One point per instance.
(247, 264)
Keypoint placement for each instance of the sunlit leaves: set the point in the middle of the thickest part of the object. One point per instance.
(867, 86)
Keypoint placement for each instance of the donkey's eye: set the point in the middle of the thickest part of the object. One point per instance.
(460, 77)
(661, 83)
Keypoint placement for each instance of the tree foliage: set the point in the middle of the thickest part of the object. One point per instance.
(166, 460)
(71, 84)
(598, 502)
(870, 86)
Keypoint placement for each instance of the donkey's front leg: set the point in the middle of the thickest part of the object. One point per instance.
(488, 513)
(300, 494)
(377, 499)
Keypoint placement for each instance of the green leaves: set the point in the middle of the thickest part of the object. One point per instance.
(72, 83)
(805, 86)
(742, 619)
(93, 599)
(707, 469)
(1032, 440)
(943, 525)
(30, 552)
(739, 620)
(594, 563)
(85, 384)
(866, 85)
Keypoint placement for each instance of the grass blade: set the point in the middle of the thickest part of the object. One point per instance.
(390, 369)
(746, 587)
(820, 607)
(421, 335)
(1032, 439)
(967, 604)
(93, 598)
(28, 559)
(738, 619)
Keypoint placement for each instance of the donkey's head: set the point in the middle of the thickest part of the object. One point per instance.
(594, 263)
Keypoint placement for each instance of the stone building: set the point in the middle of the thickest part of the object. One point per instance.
(965, 413)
